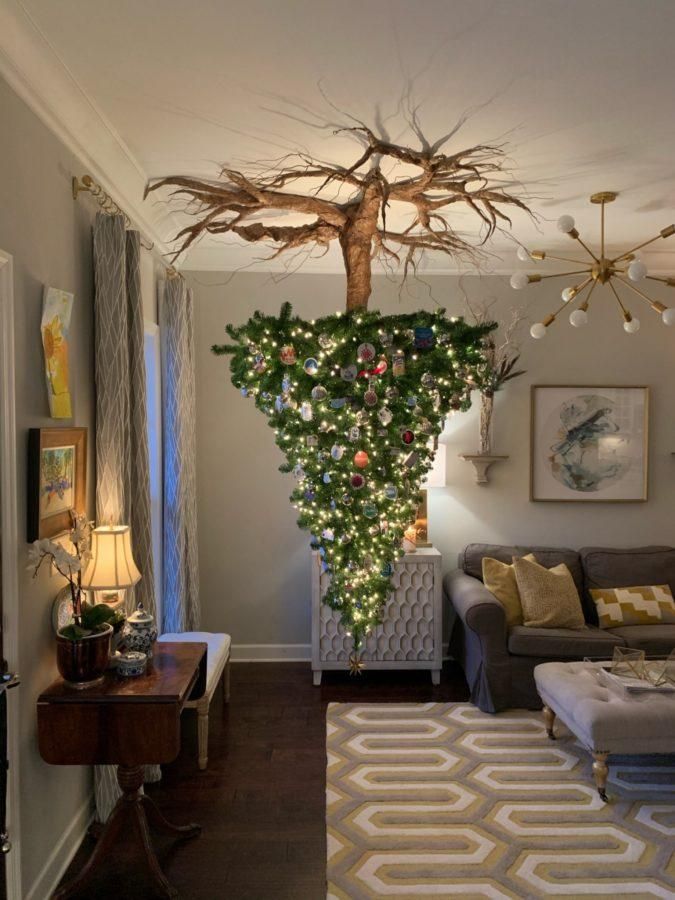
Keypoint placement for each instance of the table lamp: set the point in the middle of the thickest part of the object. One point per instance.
(112, 567)
(435, 477)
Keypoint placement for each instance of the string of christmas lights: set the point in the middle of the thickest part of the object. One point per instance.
(355, 401)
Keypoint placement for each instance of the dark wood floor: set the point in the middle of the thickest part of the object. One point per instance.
(261, 802)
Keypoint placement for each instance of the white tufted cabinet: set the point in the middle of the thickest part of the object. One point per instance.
(411, 633)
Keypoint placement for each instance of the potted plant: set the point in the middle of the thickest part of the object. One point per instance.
(83, 646)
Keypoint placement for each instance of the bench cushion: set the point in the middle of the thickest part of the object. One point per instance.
(562, 643)
(217, 654)
(603, 719)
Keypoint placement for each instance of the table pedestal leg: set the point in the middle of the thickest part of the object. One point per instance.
(138, 811)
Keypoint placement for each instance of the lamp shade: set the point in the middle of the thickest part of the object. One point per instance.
(112, 563)
(435, 477)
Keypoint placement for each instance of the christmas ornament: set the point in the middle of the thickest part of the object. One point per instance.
(385, 415)
(325, 341)
(362, 417)
(398, 364)
(390, 491)
(392, 393)
(370, 397)
(386, 339)
(356, 667)
(424, 338)
(347, 499)
(361, 459)
(407, 436)
(312, 440)
(326, 478)
(337, 402)
(354, 433)
(311, 366)
(306, 411)
(319, 392)
(337, 452)
(369, 510)
(428, 380)
(348, 373)
(259, 363)
(366, 352)
(357, 481)
(287, 355)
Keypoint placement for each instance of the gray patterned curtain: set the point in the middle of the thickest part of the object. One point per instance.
(122, 461)
(181, 576)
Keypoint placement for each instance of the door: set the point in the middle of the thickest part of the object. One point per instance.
(10, 872)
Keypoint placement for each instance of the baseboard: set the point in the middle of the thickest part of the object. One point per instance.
(61, 856)
(271, 652)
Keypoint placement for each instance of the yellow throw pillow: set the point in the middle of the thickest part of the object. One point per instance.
(500, 579)
(549, 597)
(647, 605)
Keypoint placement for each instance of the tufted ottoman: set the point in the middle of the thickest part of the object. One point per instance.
(605, 721)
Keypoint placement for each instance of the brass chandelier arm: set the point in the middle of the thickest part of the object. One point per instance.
(551, 317)
(602, 230)
(574, 234)
(664, 233)
(627, 316)
(563, 274)
(586, 302)
(655, 305)
(669, 281)
(544, 254)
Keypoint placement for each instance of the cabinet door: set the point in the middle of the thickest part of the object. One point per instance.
(407, 632)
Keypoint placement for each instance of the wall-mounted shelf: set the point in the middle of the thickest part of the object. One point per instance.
(481, 463)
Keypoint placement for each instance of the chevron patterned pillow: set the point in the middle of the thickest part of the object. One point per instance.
(646, 605)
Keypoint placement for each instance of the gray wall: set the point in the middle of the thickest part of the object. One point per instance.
(49, 236)
(254, 560)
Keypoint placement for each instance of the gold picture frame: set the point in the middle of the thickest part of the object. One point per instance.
(57, 480)
(589, 443)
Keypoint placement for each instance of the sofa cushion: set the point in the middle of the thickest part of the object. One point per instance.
(657, 640)
(640, 605)
(608, 567)
(562, 643)
(500, 579)
(549, 597)
(471, 558)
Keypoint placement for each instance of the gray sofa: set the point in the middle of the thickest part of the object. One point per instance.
(499, 663)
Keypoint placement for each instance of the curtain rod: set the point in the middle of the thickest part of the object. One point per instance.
(106, 202)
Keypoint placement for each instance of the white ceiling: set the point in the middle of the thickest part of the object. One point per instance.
(582, 90)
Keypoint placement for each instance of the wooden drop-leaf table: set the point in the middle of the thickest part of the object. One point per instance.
(129, 723)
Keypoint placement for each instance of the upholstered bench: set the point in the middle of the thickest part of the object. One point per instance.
(605, 721)
(217, 671)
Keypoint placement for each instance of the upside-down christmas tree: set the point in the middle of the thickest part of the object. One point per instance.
(357, 399)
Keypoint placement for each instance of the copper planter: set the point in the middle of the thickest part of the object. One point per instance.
(82, 663)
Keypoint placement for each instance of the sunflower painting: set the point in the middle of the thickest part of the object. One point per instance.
(56, 312)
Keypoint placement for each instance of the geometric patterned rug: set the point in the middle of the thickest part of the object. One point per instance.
(441, 800)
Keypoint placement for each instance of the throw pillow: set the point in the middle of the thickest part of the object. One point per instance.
(646, 605)
(500, 579)
(549, 597)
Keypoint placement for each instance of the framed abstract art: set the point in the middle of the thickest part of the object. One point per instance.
(57, 479)
(589, 443)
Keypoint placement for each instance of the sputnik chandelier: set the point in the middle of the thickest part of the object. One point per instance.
(628, 269)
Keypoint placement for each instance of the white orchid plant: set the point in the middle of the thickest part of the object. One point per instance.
(87, 618)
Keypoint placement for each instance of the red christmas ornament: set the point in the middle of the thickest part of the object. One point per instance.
(407, 437)
(361, 459)
(357, 481)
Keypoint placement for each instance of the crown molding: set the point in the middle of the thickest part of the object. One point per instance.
(34, 70)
